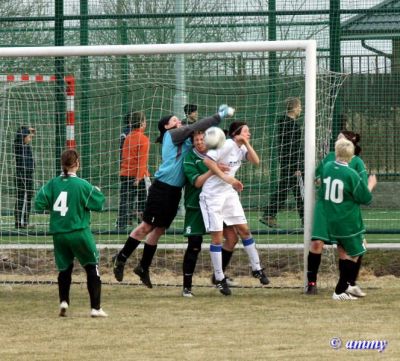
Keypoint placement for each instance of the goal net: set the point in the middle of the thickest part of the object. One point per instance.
(110, 81)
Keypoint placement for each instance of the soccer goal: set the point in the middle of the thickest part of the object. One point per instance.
(254, 77)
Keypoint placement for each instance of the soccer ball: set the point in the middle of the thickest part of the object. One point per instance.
(214, 138)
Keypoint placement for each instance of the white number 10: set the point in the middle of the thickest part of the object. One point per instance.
(334, 190)
(60, 205)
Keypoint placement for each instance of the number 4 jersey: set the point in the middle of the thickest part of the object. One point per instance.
(343, 191)
(69, 200)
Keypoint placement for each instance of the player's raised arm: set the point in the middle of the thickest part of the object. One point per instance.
(179, 134)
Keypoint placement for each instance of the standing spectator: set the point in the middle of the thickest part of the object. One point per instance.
(320, 234)
(125, 132)
(25, 165)
(220, 203)
(343, 191)
(135, 154)
(291, 159)
(191, 114)
(165, 192)
(70, 200)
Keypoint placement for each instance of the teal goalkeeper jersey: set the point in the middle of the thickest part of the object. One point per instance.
(69, 200)
(343, 191)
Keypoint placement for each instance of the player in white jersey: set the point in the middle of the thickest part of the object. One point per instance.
(220, 203)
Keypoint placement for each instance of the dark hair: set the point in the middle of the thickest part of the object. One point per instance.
(68, 159)
(22, 132)
(354, 138)
(135, 119)
(196, 132)
(236, 128)
(189, 108)
(161, 127)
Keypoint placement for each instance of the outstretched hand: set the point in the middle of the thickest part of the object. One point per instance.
(225, 111)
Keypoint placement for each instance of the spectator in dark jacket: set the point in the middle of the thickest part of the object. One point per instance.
(25, 166)
(291, 160)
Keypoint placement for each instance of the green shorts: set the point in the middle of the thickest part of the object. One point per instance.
(79, 244)
(354, 246)
(194, 224)
(320, 226)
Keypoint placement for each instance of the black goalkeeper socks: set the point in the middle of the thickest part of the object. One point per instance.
(130, 245)
(147, 257)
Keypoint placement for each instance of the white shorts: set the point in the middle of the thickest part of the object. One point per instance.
(222, 208)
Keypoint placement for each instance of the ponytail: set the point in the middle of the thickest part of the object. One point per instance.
(69, 158)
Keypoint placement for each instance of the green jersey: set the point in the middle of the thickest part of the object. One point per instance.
(69, 200)
(342, 191)
(356, 163)
(193, 166)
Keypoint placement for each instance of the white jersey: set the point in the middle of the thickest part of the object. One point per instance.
(231, 155)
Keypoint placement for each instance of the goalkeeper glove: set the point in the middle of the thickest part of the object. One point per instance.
(225, 111)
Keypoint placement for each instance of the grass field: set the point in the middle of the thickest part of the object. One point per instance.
(159, 324)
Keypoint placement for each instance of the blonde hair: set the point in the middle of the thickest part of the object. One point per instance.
(344, 150)
(292, 103)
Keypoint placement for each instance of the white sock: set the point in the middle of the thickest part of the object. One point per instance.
(216, 260)
(250, 248)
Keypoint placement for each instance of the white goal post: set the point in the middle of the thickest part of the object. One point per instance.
(308, 46)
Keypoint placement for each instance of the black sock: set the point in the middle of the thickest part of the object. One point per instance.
(356, 271)
(64, 283)
(346, 268)
(93, 285)
(190, 259)
(130, 245)
(147, 257)
(226, 258)
(314, 260)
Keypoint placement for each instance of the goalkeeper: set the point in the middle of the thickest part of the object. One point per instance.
(165, 192)
(70, 200)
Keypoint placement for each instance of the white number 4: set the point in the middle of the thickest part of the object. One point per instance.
(60, 205)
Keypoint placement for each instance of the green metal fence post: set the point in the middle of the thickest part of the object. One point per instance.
(84, 93)
(59, 63)
(334, 46)
(123, 60)
(272, 96)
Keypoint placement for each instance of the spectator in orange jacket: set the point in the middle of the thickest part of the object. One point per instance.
(133, 171)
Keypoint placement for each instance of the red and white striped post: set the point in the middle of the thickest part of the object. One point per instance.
(70, 92)
(70, 97)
